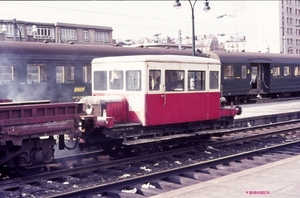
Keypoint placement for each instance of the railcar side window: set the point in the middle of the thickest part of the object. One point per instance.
(174, 80)
(87, 73)
(213, 80)
(133, 80)
(297, 71)
(196, 80)
(287, 71)
(228, 72)
(36, 73)
(65, 74)
(244, 72)
(276, 71)
(154, 79)
(100, 80)
(6, 74)
(116, 80)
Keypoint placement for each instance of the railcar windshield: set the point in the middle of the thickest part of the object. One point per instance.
(100, 80)
(196, 80)
(133, 80)
(214, 80)
(116, 80)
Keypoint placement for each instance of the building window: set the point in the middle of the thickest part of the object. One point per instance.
(65, 74)
(68, 34)
(44, 32)
(102, 37)
(86, 35)
(87, 71)
(36, 73)
(6, 74)
(10, 31)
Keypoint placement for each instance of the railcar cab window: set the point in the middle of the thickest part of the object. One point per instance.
(100, 80)
(154, 79)
(174, 80)
(133, 80)
(287, 71)
(196, 80)
(297, 71)
(116, 79)
(36, 73)
(276, 71)
(228, 72)
(65, 74)
(213, 80)
(6, 74)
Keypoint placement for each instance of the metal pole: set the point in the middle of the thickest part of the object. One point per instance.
(193, 26)
(179, 39)
(15, 29)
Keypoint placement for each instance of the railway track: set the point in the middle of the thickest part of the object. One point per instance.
(118, 174)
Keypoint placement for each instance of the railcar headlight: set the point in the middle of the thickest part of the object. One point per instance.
(89, 108)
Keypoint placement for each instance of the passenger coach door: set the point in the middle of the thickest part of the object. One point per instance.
(255, 82)
(259, 77)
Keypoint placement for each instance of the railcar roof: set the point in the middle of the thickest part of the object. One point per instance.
(157, 58)
(253, 57)
(9, 48)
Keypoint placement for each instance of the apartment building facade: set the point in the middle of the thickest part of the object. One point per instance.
(24, 31)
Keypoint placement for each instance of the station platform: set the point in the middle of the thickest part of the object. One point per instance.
(254, 110)
(280, 179)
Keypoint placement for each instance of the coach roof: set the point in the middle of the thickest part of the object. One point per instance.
(157, 58)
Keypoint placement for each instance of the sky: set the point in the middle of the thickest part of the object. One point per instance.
(139, 19)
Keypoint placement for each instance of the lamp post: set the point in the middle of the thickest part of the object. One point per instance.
(177, 4)
(19, 29)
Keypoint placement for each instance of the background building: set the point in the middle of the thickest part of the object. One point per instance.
(25, 31)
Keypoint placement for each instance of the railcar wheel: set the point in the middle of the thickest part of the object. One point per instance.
(23, 171)
(142, 151)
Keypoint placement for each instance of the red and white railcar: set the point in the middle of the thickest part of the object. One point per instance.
(142, 99)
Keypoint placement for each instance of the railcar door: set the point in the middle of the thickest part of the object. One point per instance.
(259, 78)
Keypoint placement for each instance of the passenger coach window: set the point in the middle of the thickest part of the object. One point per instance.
(100, 80)
(116, 79)
(196, 80)
(65, 74)
(287, 71)
(133, 80)
(244, 72)
(297, 71)
(154, 79)
(36, 73)
(87, 73)
(228, 72)
(213, 80)
(276, 71)
(174, 80)
(6, 74)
